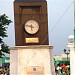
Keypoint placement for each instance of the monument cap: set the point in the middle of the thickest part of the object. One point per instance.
(30, 0)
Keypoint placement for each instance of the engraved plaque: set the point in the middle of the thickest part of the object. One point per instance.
(35, 70)
(32, 40)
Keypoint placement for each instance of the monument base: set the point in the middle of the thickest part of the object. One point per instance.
(31, 60)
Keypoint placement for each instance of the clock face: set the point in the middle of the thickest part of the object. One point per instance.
(31, 26)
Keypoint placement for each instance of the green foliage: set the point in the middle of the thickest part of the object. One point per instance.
(4, 23)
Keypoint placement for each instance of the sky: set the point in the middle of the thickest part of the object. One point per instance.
(60, 23)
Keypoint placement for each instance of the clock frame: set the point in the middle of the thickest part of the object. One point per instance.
(31, 26)
(24, 11)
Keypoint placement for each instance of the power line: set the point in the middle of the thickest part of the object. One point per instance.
(62, 16)
(58, 21)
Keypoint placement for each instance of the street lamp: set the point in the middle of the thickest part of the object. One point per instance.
(71, 39)
(67, 52)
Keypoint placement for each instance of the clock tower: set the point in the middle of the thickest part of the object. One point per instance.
(32, 54)
(31, 23)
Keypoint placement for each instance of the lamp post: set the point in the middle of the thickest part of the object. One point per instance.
(71, 46)
(67, 52)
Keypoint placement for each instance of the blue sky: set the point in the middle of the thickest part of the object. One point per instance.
(60, 22)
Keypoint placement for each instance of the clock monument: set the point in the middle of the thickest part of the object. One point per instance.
(32, 54)
(31, 23)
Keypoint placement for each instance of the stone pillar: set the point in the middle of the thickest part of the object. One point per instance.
(31, 60)
(72, 58)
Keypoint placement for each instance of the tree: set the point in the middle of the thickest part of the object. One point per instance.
(4, 23)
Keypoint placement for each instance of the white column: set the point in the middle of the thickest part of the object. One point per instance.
(72, 58)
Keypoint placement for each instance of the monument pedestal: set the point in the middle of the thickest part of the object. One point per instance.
(31, 60)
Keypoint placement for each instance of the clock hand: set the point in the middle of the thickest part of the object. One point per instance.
(28, 26)
(32, 27)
